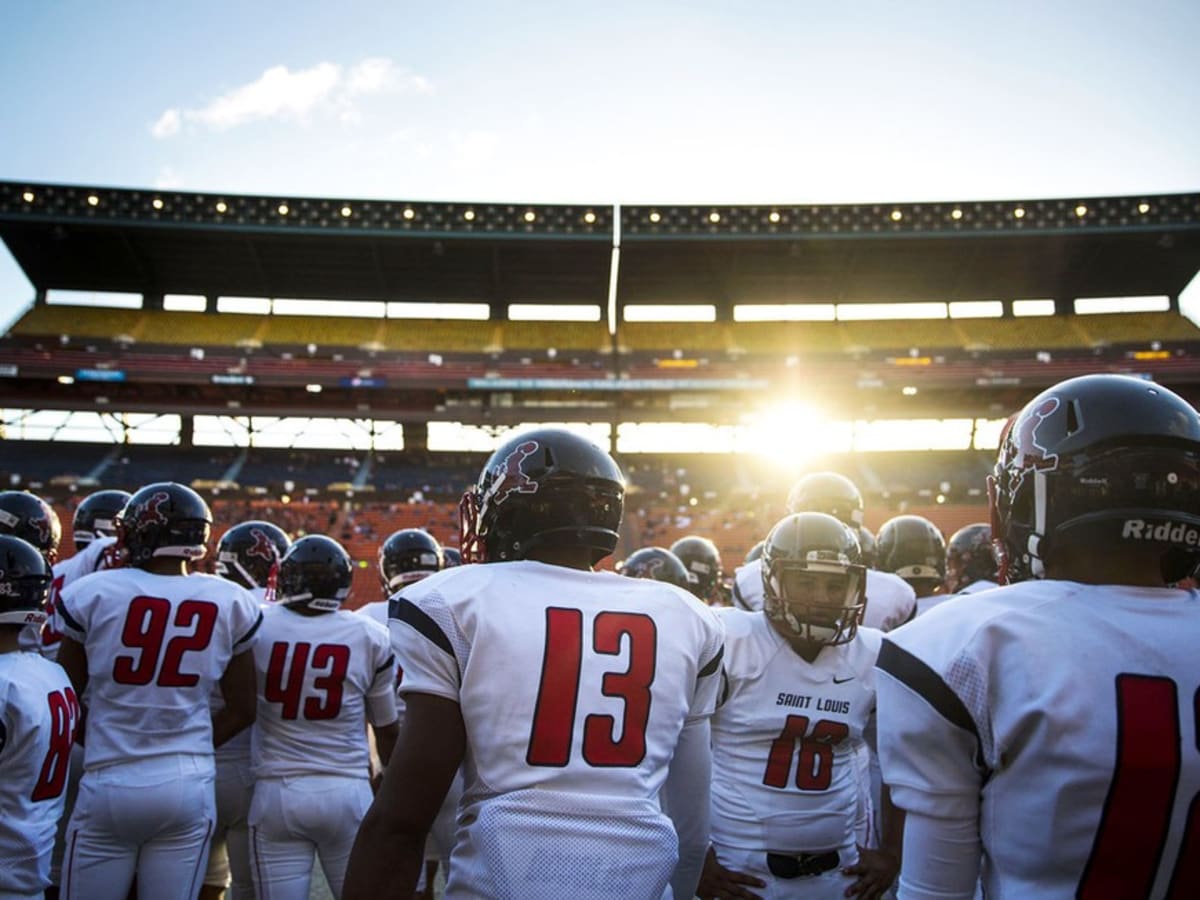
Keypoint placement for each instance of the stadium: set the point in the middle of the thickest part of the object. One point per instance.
(344, 366)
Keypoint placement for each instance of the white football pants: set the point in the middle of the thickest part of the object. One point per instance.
(153, 817)
(229, 859)
(294, 817)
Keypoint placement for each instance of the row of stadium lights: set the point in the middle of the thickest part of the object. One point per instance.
(589, 217)
(346, 211)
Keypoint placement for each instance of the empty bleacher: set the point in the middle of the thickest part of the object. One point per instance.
(1134, 328)
(685, 336)
(326, 331)
(588, 336)
(1026, 333)
(79, 322)
(200, 329)
(439, 335)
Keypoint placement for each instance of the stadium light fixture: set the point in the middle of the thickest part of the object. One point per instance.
(283, 209)
(589, 217)
(66, 379)
(28, 196)
(222, 207)
(956, 214)
(347, 212)
(1081, 210)
(93, 200)
(313, 388)
(530, 216)
(774, 217)
(897, 215)
(157, 203)
(1143, 208)
(909, 390)
(1019, 212)
(655, 217)
(714, 217)
(469, 215)
(409, 213)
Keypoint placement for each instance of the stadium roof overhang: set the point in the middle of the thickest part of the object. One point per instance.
(159, 242)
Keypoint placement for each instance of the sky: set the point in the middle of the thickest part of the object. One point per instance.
(617, 102)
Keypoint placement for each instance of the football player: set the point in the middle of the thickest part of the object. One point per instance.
(702, 560)
(93, 531)
(658, 564)
(890, 601)
(798, 691)
(247, 554)
(1046, 731)
(405, 557)
(39, 712)
(325, 674)
(912, 548)
(970, 562)
(144, 645)
(572, 697)
(34, 521)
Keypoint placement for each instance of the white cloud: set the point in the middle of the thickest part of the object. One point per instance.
(168, 124)
(281, 94)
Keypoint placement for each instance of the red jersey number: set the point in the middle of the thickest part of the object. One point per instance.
(814, 769)
(285, 682)
(145, 630)
(64, 717)
(1128, 848)
(550, 738)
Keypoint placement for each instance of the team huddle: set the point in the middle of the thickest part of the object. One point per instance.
(1014, 714)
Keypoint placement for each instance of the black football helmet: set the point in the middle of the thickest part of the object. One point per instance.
(164, 519)
(408, 555)
(754, 552)
(702, 560)
(33, 520)
(451, 557)
(1096, 462)
(868, 545)
(250, 552)
(913, 548)
(829, 493)
(969, 557)
(656, 563)
(315, 573)
(547, 487)
(814, 587)
(95, 516)
(24, 582)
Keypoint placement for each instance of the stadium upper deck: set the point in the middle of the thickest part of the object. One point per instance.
(215, 245)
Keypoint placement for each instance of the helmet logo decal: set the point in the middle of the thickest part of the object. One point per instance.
(42, 525)
(151, 513)
(1032, 452)
(263, 548)
(510, 479)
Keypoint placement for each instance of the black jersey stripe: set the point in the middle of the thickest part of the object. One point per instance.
(713, 664)
(69, 619)
(919, 677)
(408, 612)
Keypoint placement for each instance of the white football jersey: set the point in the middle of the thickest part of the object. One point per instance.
(92, 558)
(574, 687)
(156, 645)
(925, 604)
(1064, 717)
(376, 611)
(38, 715)
(784, 740)
(321, 678)
(891, 601)
(236, 750)
(636, 656)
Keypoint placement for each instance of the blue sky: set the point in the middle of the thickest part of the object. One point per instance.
(603, 102)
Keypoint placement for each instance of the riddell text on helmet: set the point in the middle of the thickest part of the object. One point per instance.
(1170, 532)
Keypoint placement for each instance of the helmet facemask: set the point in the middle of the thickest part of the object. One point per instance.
(820, 599)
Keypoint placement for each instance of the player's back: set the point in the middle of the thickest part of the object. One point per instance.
(314, 674)
(38, 715)
(569, 680)
(1084, 699)
(156, 645)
